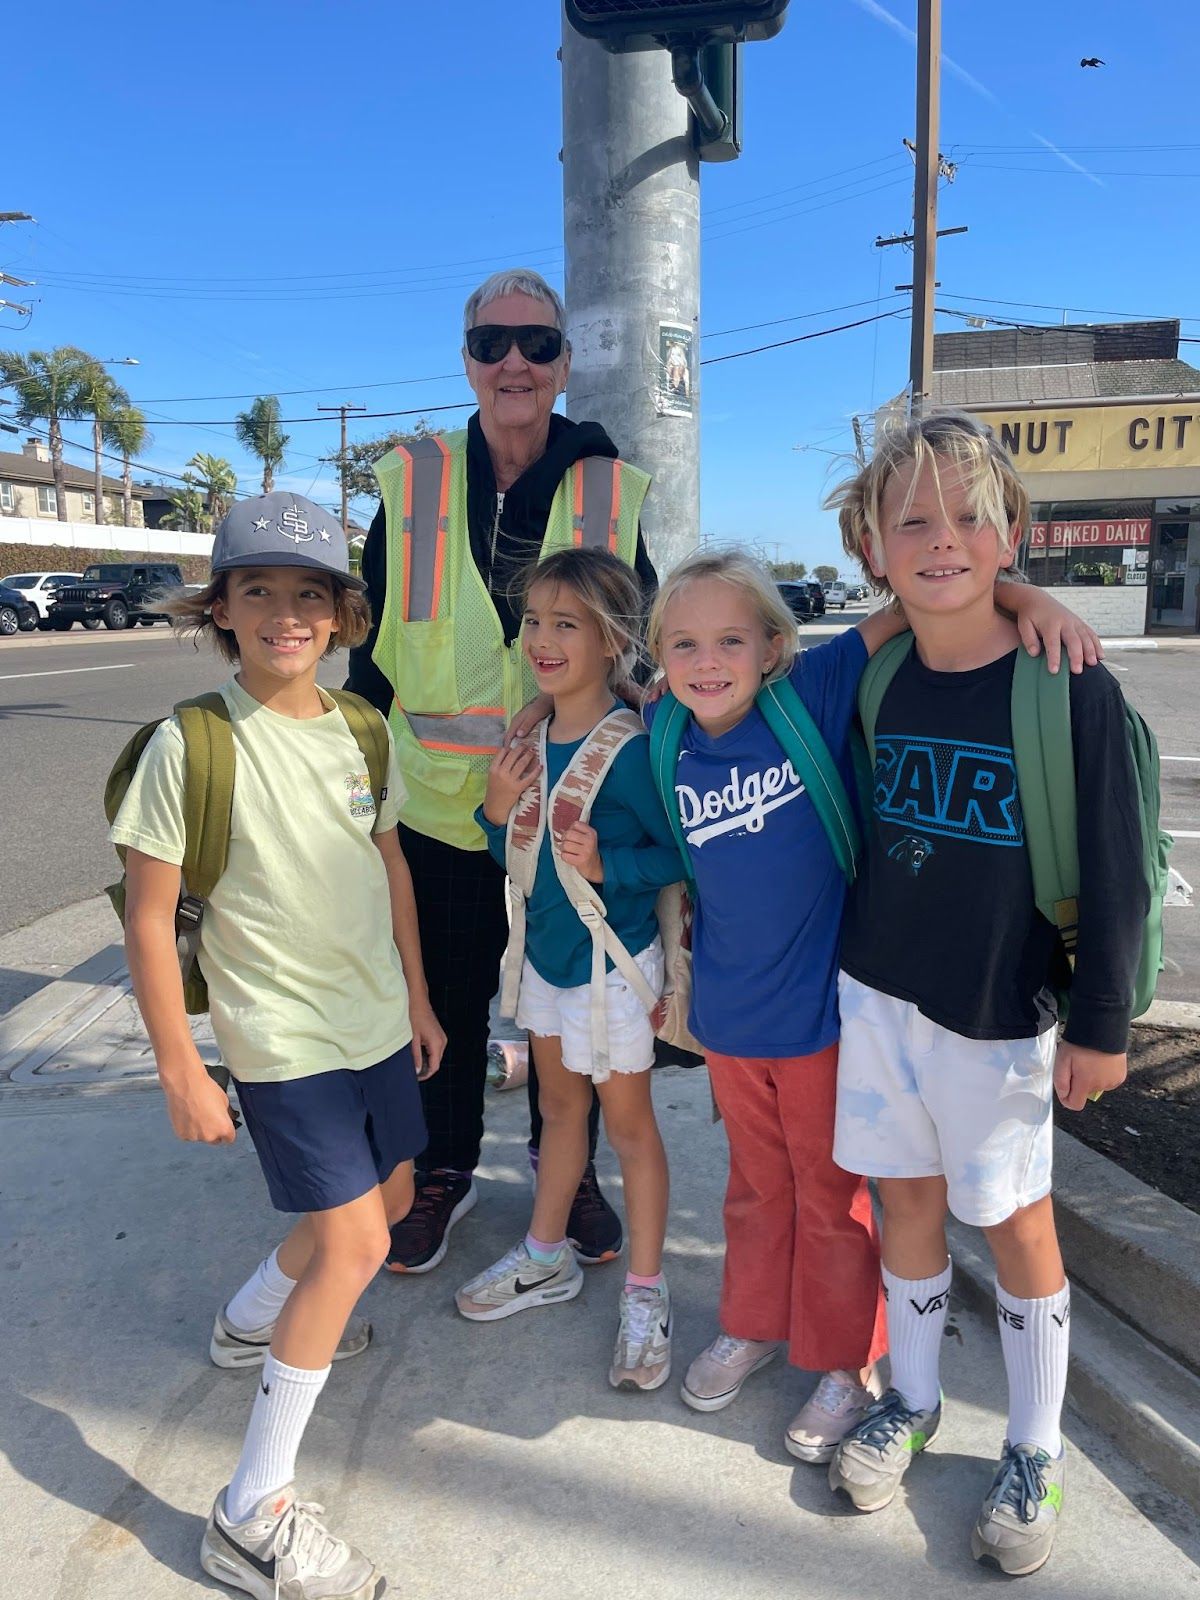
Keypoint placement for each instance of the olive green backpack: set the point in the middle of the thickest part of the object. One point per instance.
(208, 808)
(1044, 758)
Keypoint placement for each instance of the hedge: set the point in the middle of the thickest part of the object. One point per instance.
(64, 558)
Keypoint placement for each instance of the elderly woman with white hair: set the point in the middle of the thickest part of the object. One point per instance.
(460, 516)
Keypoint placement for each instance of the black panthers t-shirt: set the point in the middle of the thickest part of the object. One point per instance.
(943, 913)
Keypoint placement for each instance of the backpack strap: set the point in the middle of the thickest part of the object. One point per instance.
(1045, 763)
(875, 683)
(207, 818)
(571, 801)
(790, 720)
(666, 739)
(370, 735)
(522, 846)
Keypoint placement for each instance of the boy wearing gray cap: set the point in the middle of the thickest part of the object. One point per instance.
(310, 950)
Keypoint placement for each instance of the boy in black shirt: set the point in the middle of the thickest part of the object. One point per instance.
(949, 1050)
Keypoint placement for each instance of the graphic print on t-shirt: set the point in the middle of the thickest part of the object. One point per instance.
(738, 806)
(945, 787)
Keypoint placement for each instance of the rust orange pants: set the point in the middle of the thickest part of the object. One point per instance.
(801, 1248)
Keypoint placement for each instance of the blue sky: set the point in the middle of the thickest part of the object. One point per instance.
(262, 197)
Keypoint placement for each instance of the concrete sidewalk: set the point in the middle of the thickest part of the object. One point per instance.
(468, 1460)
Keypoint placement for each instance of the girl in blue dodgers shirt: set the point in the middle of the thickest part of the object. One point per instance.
(580, 628)
(802, 1256)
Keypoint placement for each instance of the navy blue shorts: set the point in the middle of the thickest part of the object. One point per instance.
(328, 1139)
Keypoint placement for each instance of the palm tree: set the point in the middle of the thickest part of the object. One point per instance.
(218, 481)
(258, 432)
(126, 431)
(105, 397)
(52, 387)
(189, 514)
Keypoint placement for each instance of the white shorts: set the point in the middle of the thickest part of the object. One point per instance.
(566, 1014)
(915, 1100)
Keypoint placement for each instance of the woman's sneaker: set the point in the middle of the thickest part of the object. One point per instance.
(875, 1455)
(837, 1404)
(715, 1377)
(232, 1347)
(517, 1282)
(1020, 1516)
(642, 1355)
(283, 1548)
(420, 1239)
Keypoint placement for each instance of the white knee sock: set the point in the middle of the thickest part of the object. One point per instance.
(916, 1319)
(261, 1298)
(1034, 1336)
(282, 1407)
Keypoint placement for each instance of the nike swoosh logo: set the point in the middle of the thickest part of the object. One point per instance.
(267, 1568)
(665, 1328)
(524, 1288)
(265, 1387)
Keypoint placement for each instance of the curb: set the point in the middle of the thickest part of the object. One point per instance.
(1146, 1402)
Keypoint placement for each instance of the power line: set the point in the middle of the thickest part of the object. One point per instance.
(1087, 311)
(801, 338)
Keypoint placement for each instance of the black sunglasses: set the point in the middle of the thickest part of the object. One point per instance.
(491, 341)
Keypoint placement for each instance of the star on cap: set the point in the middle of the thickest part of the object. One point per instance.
(261, 524)
(323, 535)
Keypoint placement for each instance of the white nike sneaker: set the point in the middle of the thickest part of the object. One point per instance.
(516, 1282)
(282, 1548)
(642, 1354)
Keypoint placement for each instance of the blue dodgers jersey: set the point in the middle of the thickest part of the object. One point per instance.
(768, 924)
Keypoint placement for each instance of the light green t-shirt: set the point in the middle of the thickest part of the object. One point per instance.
(296, 945)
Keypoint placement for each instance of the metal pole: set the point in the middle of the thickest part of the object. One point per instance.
(342, 410)
(631, 212)
(929, 80)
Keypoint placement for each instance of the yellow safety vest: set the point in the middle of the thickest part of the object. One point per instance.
(441, 644)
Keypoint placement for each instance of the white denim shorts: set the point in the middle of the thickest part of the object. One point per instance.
(915, 1100)
(566, 1014)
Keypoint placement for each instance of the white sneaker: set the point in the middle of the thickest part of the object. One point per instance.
(283, 1548)
(516, 1282)
(232, 1347)
(715, 1377)
(642, 1354)
(837, 1404)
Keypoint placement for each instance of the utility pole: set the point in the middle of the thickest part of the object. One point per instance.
(929, 83)
(342, 410)
(631, 212)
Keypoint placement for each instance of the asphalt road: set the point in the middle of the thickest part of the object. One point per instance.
(68, 705)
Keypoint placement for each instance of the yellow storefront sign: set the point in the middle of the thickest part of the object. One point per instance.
(1099, 438)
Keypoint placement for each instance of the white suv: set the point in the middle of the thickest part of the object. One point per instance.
(39, 588)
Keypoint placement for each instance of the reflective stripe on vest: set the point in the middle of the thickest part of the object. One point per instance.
(477, 731)
(597, 504)
(426, 502)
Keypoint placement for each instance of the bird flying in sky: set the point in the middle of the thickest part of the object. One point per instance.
(1092, 61)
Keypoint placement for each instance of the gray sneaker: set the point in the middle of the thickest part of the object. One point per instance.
(1020, 1516)
(235, 1347)
(516, 1282)
(715, 1378)
(875, 1454)
(642, 1354)
(284, 1549)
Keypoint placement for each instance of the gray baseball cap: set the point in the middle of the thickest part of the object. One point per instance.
(283, 530)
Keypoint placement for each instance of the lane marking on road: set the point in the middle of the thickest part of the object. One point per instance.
(62, 672)
(1179, 833)
(1179, 758)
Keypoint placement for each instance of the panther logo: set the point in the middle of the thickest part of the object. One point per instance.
(911, 852)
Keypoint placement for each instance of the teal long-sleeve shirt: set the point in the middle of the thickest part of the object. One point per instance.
(639, 856)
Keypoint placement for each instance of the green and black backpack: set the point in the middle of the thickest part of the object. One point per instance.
(208, 808)
(1044, 758)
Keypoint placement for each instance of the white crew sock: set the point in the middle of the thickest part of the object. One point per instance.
(282, 1407)
(916, 1319)
(1034, 1336)
(261, 1298)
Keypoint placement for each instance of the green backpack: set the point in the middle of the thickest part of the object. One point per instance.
(1045, 763)
(208, 808)
(800, 739)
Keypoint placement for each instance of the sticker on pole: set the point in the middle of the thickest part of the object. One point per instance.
(674, 394)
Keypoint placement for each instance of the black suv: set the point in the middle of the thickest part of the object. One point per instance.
(803, 597)
(16, 613)
(119, 593)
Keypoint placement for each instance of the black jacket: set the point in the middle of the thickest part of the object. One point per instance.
(518, 539)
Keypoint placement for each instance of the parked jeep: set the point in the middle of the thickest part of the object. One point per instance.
(117, 593)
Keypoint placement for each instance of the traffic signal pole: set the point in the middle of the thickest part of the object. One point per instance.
(631, 210)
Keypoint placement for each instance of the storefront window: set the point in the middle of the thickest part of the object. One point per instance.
(1088, 542)
(1175, 564)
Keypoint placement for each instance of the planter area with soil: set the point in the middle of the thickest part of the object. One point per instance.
(1151, 1124)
